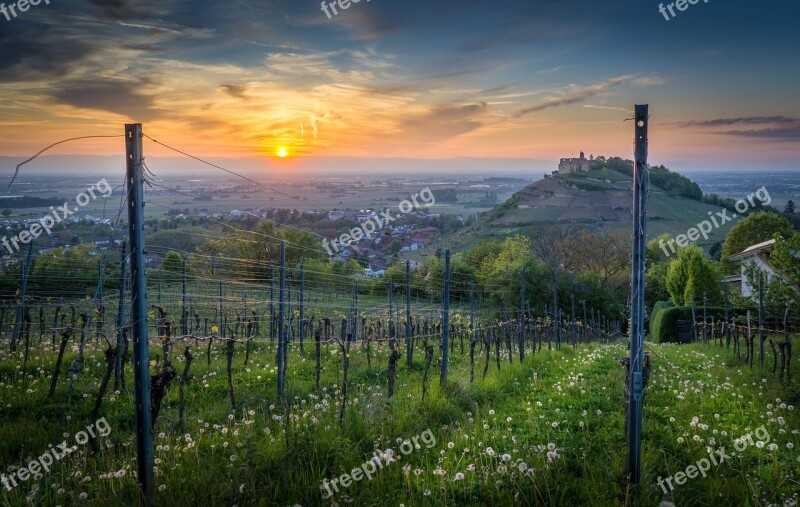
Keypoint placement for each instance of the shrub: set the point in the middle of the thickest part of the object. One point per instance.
(663, 324)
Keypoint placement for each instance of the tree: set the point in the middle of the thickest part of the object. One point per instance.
(756, 228)
(790, 207)
(395, 246)
(605, 254)
(692, 274)
(173, 262)
(7, 212)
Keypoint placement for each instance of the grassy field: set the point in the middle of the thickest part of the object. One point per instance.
(547, 432)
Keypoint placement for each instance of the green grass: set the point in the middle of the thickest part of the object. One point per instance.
(570, 400)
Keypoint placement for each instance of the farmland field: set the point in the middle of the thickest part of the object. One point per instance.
(547, 432)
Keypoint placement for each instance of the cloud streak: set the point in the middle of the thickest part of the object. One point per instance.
(574, 94)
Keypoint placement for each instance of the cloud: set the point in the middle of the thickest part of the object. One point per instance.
(445, 122)
(782, 128)
(111, 95)
(235, 91)
(745, 120)
(574, 94)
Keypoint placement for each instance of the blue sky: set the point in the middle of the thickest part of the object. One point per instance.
(388, 78)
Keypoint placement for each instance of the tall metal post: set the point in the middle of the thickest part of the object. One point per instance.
(640, 189)
(301, 333)
(725, 325)
(184, 314)
(522, 315)
(21, 307)
(120, 319)
(445, 317)
(281, 311)
(141, 352)
(761, 336)
(408, 313)
(220, 316)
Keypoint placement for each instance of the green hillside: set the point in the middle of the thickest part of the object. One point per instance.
(600, 198)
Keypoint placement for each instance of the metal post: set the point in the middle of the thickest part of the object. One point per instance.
(640, 189)
(556, 327)
(120, 319)
(21, 308)
(522, 315)
(302, 314)
(574, 325)
(141, 352)
(281, 311)
(725, 325)
(761, 337)
(184, 315)
(705, 318)
(221, 321)
(445, 317)
(408, 313)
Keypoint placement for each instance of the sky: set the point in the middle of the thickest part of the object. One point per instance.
(507, 79)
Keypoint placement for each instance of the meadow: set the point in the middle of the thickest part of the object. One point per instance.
(549, 431)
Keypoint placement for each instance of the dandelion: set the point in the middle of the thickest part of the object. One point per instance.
(773, 447)
(162, 487)
(790, 445)
(233, 458)
(490, 451)
(83, 496)
(491, 412)
(450, 445)
(458, 477)
(522, 467)
(506, 458)
(680, 440)
(471, 467)
(407, 469)
(241, 489)
(555, 424)
(427, 492)
(760, 444)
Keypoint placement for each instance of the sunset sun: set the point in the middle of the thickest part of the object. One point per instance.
(283, 152)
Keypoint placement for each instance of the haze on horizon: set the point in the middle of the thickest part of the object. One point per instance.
(405, 80)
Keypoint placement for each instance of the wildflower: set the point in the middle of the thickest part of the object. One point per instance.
(490, 451)
(450, 445)
(506, 458)
(458, 477)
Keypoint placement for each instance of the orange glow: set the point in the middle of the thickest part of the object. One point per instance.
(283, 152)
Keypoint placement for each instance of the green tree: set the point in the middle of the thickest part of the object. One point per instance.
(692, 274)
(790, 207)
(6, 212)
(756, 228)
(173, 262)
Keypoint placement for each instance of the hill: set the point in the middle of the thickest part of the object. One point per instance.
(600, 198)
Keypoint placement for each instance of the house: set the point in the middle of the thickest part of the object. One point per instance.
(760, 256)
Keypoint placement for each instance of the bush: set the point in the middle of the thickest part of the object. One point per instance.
(657, 308)
(664, 322)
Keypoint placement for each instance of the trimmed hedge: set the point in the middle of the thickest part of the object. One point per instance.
(663, 324)
(658, 307)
